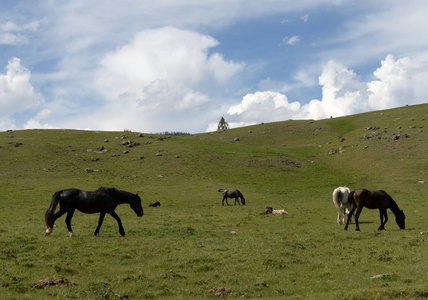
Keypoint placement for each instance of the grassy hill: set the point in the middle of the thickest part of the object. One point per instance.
(192, 245)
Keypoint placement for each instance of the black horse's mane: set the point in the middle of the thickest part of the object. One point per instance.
(107, 190)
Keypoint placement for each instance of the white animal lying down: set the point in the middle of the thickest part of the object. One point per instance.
(270, 210)
(279, 212)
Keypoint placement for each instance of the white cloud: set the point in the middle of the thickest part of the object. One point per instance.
(262, 107)
(394, 84)
(179, 56)
(12, 39)
(343, 93)
(12, 34)
(294, 40)
(10, 26)
(35, 121)
(165, 71)
(16, 92)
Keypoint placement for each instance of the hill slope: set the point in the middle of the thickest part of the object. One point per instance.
(268, 157)
(191, 243)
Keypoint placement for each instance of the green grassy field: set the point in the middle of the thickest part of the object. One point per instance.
(192, 246)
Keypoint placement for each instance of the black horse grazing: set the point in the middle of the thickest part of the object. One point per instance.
(232, 194)
(104, 200)
(374, 199)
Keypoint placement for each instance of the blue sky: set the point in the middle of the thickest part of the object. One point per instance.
(155, 66)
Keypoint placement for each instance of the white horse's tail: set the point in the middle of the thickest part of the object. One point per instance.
(340, 200)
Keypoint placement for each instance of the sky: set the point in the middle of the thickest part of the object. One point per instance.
(181, 65)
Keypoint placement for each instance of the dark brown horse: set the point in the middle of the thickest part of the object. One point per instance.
(232, 194)
(374, 200)
(103, 201)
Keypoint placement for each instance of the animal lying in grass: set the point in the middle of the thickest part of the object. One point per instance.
(270, 210)
(156, 204)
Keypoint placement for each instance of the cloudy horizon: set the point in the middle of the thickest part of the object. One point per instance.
(150, 67)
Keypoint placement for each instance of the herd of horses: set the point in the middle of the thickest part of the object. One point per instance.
(105, 200)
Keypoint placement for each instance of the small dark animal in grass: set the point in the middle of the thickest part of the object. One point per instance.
(374, 199)
(232, 194)
(156, 204)
(268, 210)
(103, 201)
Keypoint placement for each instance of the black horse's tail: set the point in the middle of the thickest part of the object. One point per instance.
(50, 212)
(351, 200)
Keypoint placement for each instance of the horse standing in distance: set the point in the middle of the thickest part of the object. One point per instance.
(340, 200)
(375, 199)
(232, 194)
(103, 201)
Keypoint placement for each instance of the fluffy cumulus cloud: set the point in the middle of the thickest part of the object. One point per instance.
(161, 74)
(393, 85)
(16, 92)
(397, 82)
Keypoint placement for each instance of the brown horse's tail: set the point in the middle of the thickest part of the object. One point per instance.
(50, 212)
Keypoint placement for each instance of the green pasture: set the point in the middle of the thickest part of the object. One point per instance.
(192, 246)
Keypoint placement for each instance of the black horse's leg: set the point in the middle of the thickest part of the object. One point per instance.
(116, 217)
(236, 200)
(68, 222)
(100, 222)
(383, 216)
(357, 217)
(349, 217)
(227, 202)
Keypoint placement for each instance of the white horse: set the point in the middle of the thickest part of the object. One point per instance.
(340, 200)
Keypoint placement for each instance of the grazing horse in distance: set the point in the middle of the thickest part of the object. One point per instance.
(232, 194)
(103, 201)
(375, 199)
(340, 200)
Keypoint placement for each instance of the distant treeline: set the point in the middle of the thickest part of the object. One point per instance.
(173, 133)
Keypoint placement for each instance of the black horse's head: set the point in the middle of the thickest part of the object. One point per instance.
(243, 201)
(136, 205)
(400, 219)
